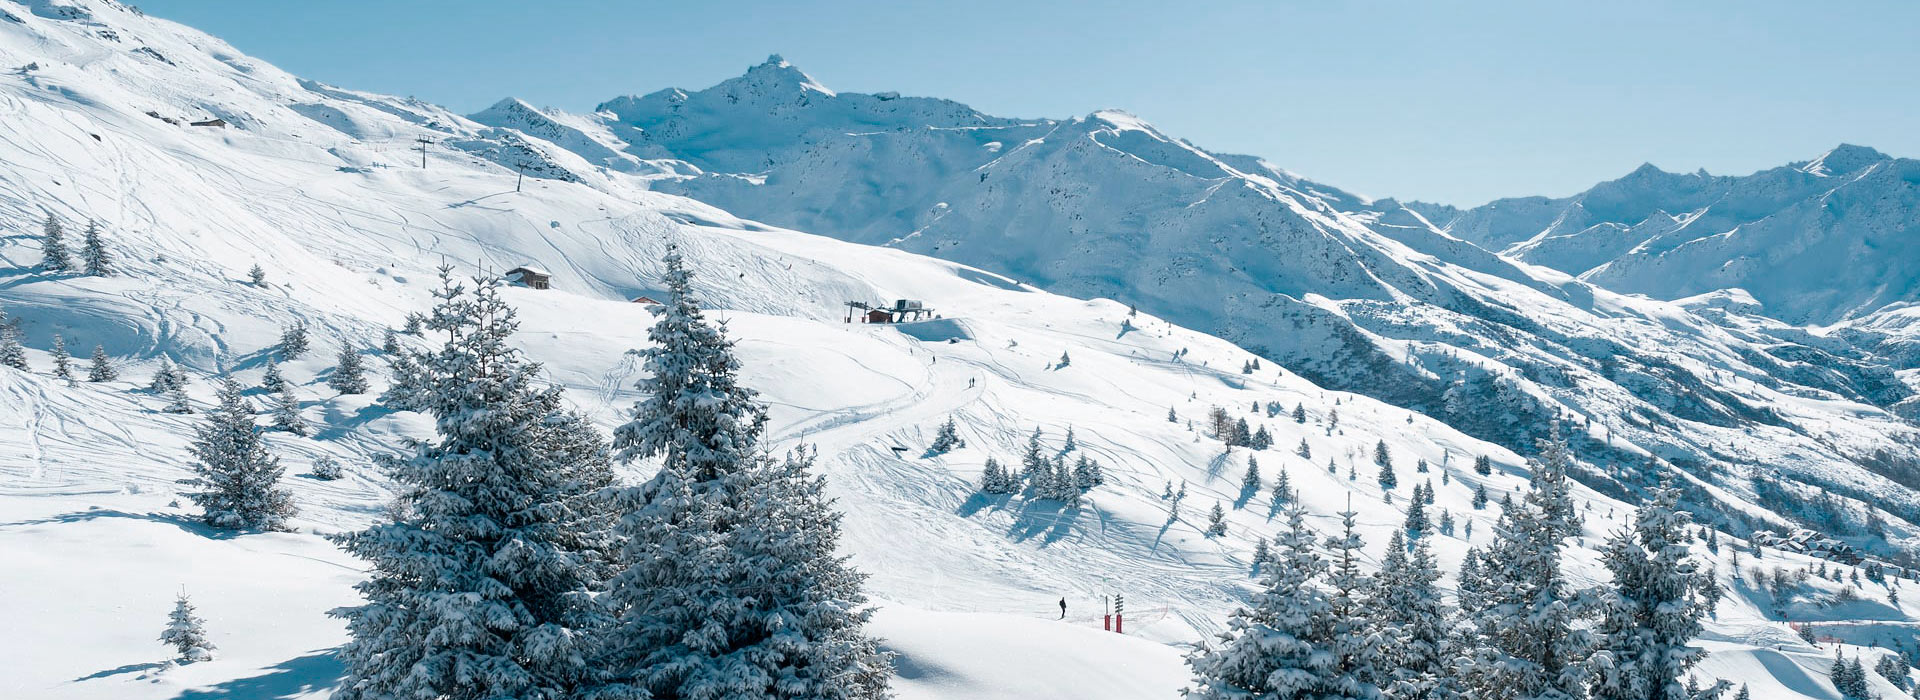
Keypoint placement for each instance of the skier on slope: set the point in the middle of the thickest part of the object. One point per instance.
(1063, 608)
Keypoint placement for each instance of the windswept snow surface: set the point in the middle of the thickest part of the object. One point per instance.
(316, 185)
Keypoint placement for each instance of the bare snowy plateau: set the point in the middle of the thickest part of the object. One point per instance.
(1177, 280)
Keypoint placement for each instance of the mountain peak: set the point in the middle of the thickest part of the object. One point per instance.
(777, 72)
(1844, 158)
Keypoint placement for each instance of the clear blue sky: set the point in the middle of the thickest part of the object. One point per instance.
(1457, 102)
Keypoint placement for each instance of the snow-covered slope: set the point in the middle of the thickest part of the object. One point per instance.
(316, 185)
(1358, 295)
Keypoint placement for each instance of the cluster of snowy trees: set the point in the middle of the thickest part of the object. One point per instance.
(1043, 476)
(517, 566)
(1319, 628)
(58, 256)
(1236, 432)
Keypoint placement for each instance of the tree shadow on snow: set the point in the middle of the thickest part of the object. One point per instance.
(336, 429)
(983, 501)
(191, 525)
(318, 671)
(129, 668)
(1049, 520)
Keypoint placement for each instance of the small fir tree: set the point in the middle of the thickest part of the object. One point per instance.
(55, 256)
(100, 368)
(62, 362)
(946, 439)
(293, 340)
(350, 376)
(286, 412)
(94, 255)
(186, 632)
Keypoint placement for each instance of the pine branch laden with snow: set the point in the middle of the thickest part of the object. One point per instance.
(730, 584)
(482, 585)
(239, 480)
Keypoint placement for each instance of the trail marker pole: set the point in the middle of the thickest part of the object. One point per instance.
(1120, 614)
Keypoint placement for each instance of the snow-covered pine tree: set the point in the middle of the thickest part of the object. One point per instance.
(1896, 670)
(1482, 465)
(12, 354)
(994, 478)
(1480, 497)
(177, 401)
(1417, 523)
(1066, 488)
(1250, 482)
(1085, 473)
(1654, 607)
(1445, 524)
(1524, 644)
(947, 438)
(1281, 647)
(62, 362)
(186, 632)
(54, 254)
(1388, 480)
(1033, 462)
(271, 380)
(1744, 694)
(239, 480)
(1303, 450)
(1261, 439)
(1064, 360)
(481, 585)
(1070, 444)
(1261, 553)
(1172, 417)
(1216, 521)
(293, 340)
(415, 325)
(167, 377)
(1300, 413)
(100, 369)
(390, 342)
(286, 412)
(1282, 488)
(1414, 623)
(1242, 433)
(93, 252)
(729, 584)
(350, 375)
(1355, 647)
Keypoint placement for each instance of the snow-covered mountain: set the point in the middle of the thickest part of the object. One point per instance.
(1819, 241)
(322, 187)
(1366, 296)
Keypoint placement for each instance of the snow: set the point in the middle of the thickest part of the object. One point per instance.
(317, 185)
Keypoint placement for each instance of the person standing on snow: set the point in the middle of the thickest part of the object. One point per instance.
(1063, 608)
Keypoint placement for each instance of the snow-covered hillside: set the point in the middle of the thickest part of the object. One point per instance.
(1358, 295)
(317, 185)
